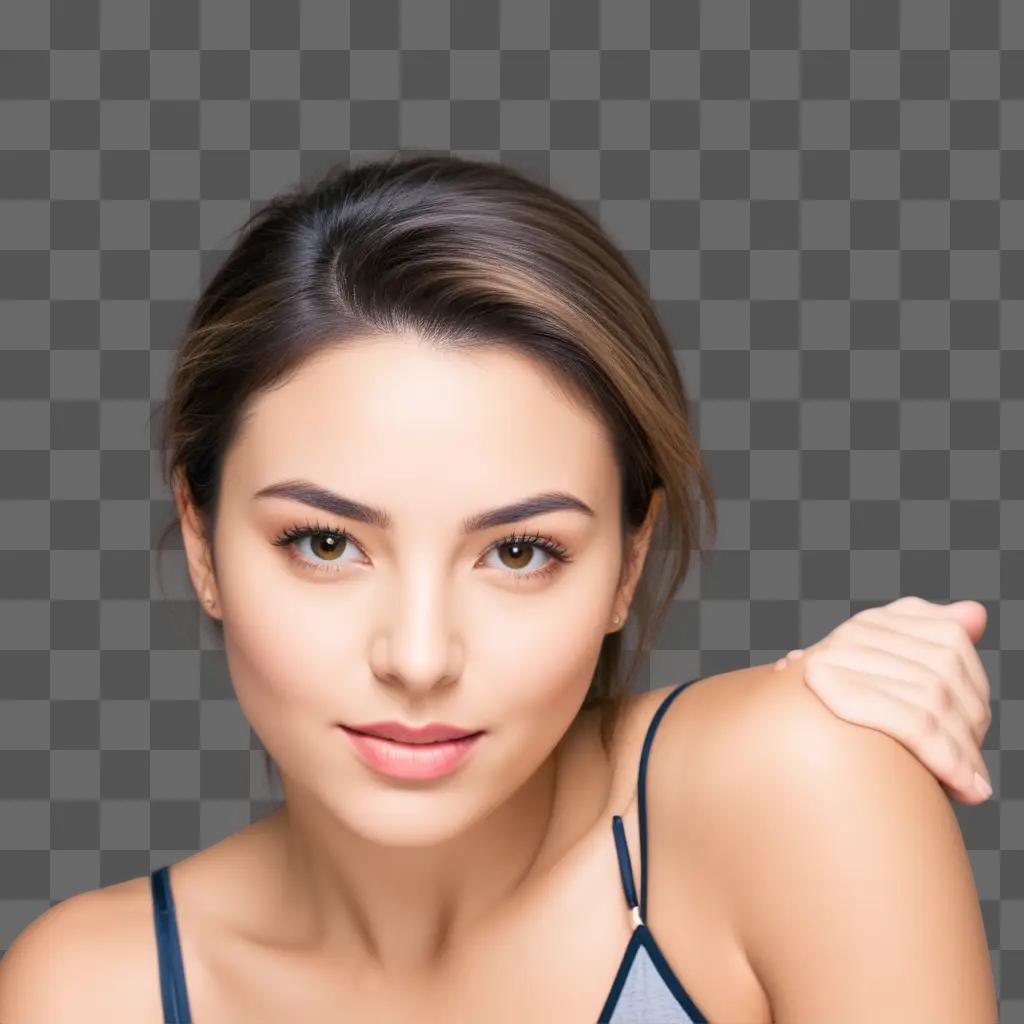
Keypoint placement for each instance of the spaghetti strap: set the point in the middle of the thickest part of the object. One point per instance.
(639, 907)
(173, 992)
(642, 789)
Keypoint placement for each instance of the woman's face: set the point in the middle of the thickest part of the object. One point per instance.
(417, 621)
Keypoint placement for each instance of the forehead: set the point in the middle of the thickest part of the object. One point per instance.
(380, 412)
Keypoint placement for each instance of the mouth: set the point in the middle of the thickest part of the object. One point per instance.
(412, 743)
(402, 733)
(422, 759)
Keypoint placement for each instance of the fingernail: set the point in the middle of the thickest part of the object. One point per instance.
(780, 664)
(982, 786)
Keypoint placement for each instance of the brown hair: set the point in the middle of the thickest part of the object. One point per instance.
(466, 254)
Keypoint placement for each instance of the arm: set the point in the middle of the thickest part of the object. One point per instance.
(847, 873)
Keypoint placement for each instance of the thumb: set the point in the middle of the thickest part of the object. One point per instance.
(972, 615)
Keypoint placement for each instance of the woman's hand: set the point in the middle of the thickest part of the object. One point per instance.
(909, 669)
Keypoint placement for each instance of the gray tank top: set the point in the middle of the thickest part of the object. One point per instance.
(645, 989)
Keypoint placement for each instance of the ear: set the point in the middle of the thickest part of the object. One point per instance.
(636, 556)
(197, 551)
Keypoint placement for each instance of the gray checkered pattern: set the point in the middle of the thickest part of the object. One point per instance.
(826, 199)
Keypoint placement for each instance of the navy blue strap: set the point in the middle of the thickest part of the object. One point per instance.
(621, 847)
(625, 864)
(172, 970)
(642, 789)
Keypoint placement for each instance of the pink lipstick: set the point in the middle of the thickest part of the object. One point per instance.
(407, 752)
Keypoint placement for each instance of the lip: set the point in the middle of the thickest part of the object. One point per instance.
(424, 760)
(432, 732)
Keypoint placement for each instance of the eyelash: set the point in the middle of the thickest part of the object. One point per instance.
(292, 535)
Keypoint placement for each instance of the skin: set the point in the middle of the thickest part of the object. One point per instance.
(406, 896)
(910, 669)
(836, 856)
(412, 623)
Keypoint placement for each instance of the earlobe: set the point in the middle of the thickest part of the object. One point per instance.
(197, 554)
(210, 607)
(638, 548)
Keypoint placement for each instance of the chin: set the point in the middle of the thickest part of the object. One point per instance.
(410, 819)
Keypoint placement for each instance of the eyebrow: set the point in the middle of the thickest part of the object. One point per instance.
(319, 497)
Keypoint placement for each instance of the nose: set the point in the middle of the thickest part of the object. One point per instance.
(416, 646)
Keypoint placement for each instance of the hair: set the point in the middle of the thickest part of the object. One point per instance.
(467, 255)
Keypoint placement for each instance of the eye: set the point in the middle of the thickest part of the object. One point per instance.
(522, 550)
(327, 546)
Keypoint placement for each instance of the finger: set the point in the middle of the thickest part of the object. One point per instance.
(944, 630)
(856, 697)
(890, 665)
(923, 695)
(890, 660)
(907, 722)
(926, 642)
(917, 607)
(787, 658)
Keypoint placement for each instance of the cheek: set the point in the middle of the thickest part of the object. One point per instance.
(531, 671)
(541, 660)
(288, 654)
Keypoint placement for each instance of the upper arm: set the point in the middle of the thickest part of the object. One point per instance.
(846, 868)
(75, 963)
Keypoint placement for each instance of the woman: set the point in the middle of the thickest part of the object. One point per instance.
(430, 448)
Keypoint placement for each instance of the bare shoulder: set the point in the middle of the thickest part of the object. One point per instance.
(832, 845)
(91, 957)
(759, 732)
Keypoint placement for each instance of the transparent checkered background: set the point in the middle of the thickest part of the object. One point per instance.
(826, 199)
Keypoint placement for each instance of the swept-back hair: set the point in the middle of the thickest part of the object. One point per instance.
(467, 254)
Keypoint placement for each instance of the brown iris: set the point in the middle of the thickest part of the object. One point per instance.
(332, 545)
(522, 552)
